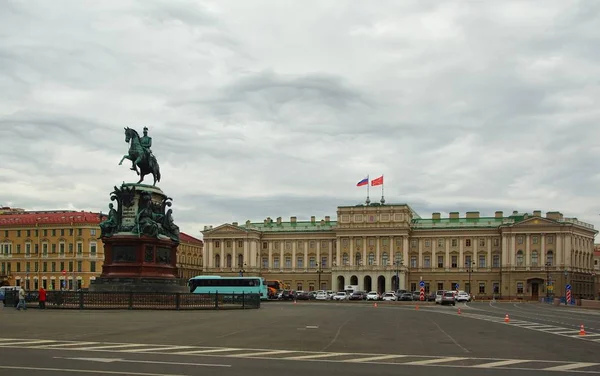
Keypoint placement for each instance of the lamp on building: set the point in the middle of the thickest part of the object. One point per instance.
(469, 266)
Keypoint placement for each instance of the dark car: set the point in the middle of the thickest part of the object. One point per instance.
(303, 295)
(358, 295)
(287, 295)
(407, 296)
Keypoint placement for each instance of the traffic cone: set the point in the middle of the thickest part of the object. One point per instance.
(506, 319)
(581, 331)
(417, 307)
(459, 311)
(375, 305)
(294, 301)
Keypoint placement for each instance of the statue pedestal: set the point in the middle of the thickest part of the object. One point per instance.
(140, 243)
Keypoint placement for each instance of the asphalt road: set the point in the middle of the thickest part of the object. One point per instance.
(307, 337)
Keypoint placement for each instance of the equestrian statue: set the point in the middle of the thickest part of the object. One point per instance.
(141, 155)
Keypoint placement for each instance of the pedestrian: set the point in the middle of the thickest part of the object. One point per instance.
(42, 298)
(21, 299)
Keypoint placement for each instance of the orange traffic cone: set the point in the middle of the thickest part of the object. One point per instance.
(294, 301)
(506, 319)
(581, 331)
(459, 311)
(375, 305)
(417, 307)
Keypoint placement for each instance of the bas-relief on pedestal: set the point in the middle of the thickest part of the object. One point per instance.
(140, 237)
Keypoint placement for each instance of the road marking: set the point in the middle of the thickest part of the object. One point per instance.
(205, 351)
(24, 342)
(501, 363)
(262, 353)
(159, 348)
(434, 361)
(369, 359)
(64, 344)
(569, 367)
(312, 327)
(100, 372)
(115, 346)
(113, 360)
(316, 356)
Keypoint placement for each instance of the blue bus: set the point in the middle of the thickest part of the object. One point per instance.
(210, 284)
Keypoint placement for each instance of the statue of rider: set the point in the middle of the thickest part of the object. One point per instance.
(146, 142)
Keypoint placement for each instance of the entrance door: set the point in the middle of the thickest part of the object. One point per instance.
(535, 291)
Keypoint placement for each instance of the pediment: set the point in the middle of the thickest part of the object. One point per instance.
(536, 221)
(226, 229)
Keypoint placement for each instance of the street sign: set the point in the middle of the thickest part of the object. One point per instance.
(64, 272)
(568, 287)
(457, 286)
(422, 283)
(422, 294)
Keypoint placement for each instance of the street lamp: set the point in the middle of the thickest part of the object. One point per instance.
(548, 265)
(319, 271)
(469, 266)
(242, 270)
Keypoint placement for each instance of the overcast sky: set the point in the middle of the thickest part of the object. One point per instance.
(278, 108)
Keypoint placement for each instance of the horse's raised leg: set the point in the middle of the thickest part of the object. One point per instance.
(122, 159)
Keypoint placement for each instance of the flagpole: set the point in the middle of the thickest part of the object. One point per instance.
(368, 183)
(382, 199)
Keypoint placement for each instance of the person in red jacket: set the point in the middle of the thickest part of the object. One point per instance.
(42, 298)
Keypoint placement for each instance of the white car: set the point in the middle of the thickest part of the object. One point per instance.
(390, 297)
(373, 295)
(462, 296)
(340, 296)
(322, 295)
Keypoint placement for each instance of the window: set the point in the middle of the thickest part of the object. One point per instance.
(28, 267)
(371, 242)
(455, 242)
(228, 261)
(265, 245)
(62, 266)
(61, 249)
(385, 259)
(550, 239)
(496, 242)
(519, 287)
(79, 248)
(482, 242)
(70, 266)
(413, 262)
(299, 286)
(92, 232)
(440, 243)
(79, 232)
(27, 249)
(44, 267)
(534, 239)
(426, 288)
(519, 258)
(427, 262)
(427, 243)
(79, 266)
(323, 261)
(93, 249)
(453, 286)
(345, 259)
(496, 287)
(217, 261)
(534, 258)
(440, 261)
(454, 261)
(482, 287)
(276, 262)
(467, 242)
(357, 258)
(265, 262)
(550, 258)
(18, 267)
(240, 244)
(371, 258)
(312, 262)
(300, 262)
(413, 243)
(468, 261)
(240, 260)
(45, 249)
(288, 262)
(495, 261)
(53, 247)
(482, 261)
(520, 239)
(93, 266)
(397, 257)
(440, 285)
(217, 244)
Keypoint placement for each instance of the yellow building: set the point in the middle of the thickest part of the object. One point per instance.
(52, 248)
(189, 256)
(390, 247)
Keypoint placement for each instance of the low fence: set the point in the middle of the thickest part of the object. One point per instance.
(135, 300)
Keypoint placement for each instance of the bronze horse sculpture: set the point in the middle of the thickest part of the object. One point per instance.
(139, 158)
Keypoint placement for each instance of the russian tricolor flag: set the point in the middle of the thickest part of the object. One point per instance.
(363, 182)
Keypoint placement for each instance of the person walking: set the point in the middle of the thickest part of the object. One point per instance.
(42, 298)
(21, 300)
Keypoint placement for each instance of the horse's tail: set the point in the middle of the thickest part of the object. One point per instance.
(157, 172)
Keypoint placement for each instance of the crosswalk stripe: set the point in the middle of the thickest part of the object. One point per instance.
(316, 356)
(262, 353)
(31, 342)
(115, 346)
(63, 345)
(372, 358)
(569, 367)
(501, 363)
(205, 351)
(572, 331)
(434, 361)
(159, 348)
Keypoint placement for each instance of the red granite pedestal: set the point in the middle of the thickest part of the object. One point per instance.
(135, 263)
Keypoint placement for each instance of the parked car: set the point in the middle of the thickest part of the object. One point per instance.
(358, 295)
(463, 297)
(389, 297)
(373, 295)
(448, 298)
(340, 296)
(407, 296)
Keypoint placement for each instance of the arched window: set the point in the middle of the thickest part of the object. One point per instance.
(228, 261)
(534, 258)
(345, 259)
(357, 258)
(240, 260)
(371, 258)
(519, 258)
(217, 261)
(384, 259)
(550, 258)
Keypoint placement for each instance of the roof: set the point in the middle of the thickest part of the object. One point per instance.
(304, 226)
(62, 217)
(449, 223)
(185, 238)
(379, 205)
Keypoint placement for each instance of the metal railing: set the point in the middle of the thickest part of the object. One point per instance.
(135, 300)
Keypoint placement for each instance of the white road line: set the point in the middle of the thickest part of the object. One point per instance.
(501, 363)
(159, 349)
(32, 342)
(572, 331)
(205, 351)
(433, 361)
(63, 345)
(360, 360)
(316, 356)
(568, 367)
(262, 353)
(115, 346)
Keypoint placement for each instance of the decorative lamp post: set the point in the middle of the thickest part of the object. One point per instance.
(319, 271)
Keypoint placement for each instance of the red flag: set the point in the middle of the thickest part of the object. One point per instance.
(378, 181)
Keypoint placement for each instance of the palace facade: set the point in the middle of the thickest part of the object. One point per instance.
(61, 248)
(389, 247)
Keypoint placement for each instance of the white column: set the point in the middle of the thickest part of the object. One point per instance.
(270, 260)
(489, 252)
(209, 260)
(527, 251)
(461, 250)
(504, 256)
(433, 261)
(319, 266)
(568, 250)
(420, 258)
(351, 250)
(281, 257)
(543, 250)
(447, 256)
(405, 250)
(305, 255)
(338, 252)
(223, 260)
(294, 244)
(513, 250)
(392, 252)
(377, 252)
(558, 258)
(329, 254)
(364, 250)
